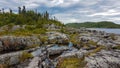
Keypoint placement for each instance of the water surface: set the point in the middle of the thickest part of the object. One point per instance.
(107, 30)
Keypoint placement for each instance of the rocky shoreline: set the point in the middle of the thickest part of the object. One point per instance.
(95, 49)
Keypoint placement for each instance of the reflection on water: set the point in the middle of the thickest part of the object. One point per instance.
(70, 44)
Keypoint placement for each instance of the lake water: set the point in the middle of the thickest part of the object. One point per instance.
(107, 30)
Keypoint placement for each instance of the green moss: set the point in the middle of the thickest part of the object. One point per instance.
(72, 63)
(32, 46)
(30, 27)
(10, 26)
(24, 32)
(25, 55)
(92, 43)
(116, 47)
(95, 50)
(44, 39)
(112, 36)
(73, 38)
(39, 31)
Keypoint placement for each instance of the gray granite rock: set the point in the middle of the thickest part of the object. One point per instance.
(57, 49)
(104, 59)
(11, 43)
(35, 63)
(59, 38)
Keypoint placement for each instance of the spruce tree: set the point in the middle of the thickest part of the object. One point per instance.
(10, 11)
(23, 10)
(3, 10)
(19, 10)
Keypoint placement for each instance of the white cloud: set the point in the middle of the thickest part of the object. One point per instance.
(82, 10)
(110, 12)
(48, 3)
(115, 19)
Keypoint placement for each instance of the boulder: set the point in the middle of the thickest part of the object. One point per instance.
(35, 63)
(57, 37)
(57, 49)
(12, 43)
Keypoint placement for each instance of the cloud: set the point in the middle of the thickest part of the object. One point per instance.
(71, 10)
(110, 12)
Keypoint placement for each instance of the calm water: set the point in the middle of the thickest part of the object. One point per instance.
(108, 30)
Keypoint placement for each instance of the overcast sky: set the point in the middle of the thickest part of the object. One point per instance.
(71, 10)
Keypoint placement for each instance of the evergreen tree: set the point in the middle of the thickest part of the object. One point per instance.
(10, 11)
(46, 15)
(0, 11)
(23, 10)
(3, 10)
(19, 10)
(25, 17)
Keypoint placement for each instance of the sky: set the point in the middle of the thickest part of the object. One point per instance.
(68, 11)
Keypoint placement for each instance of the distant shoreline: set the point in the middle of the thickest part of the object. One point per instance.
(102, 24)
(107, 30)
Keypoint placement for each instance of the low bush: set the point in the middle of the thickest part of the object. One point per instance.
(116, 47)
(72, 63)
(24, 56)
(32, 46)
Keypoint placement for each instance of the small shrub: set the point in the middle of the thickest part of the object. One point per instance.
(32, 46)
(113, 36)
(10, 26)
(30, 27)
(24, 56)
(44, 39)
(116, 47)
(92, 43)
(3, 66)
(39, 31)
(95, 50)
(72, 63)
(73, 38)
(22, 32)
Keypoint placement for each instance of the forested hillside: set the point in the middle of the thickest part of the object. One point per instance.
(26, 22)
(102, 24)
(25, 16)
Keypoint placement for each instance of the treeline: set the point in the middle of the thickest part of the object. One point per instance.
(102, 24)
(26, 17)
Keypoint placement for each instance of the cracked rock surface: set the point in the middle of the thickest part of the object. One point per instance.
(104, 59)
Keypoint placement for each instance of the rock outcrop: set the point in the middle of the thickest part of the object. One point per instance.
(12, 43)
(104, 59)
(57, 37)
(95, 48)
